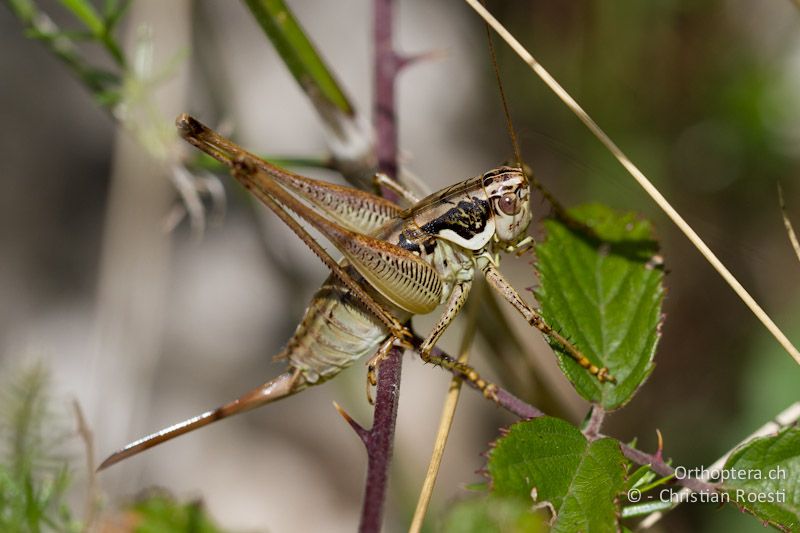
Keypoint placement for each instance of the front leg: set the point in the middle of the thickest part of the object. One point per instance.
(501, 285)
(454, 304)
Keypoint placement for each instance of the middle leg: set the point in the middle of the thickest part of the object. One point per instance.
(425, 348)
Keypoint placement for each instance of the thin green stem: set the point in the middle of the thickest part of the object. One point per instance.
(350, 142)
(298, 53)
(61, 43)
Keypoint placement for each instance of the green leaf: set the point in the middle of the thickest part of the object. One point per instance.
(764, 478)
(657, 483)
(501, 515)
(641, 476)
(605, 296)
(549, 460)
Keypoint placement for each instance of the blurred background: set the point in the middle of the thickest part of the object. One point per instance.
(146, 321)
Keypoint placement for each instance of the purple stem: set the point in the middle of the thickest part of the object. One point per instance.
(661, 468)
(379, 439)
(386, 69)
(524, 410)
(596, 418)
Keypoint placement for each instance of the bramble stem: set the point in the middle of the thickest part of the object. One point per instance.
(785, 418)
(384, 116)
(524, 410)
(595, 422)
(379, 439)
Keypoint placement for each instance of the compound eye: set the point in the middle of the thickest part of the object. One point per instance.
(509, 204)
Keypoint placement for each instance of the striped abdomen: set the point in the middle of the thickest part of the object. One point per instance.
(335, 331)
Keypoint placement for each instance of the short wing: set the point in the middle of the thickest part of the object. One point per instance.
(403, 278)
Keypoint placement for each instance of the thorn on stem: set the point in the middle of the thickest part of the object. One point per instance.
(403, 61)
(659, 454)
(362, 433)
(86, 435)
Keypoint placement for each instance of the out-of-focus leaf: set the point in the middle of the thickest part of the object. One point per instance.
(108, 99)
(63, 43)
(73, 35)
(161, 514)
(639, 477)
(113, 12)
(23, 9)
(546, 461)
(641, 509)
(764, 478)
(207, 162)
(493, 514)
(34, 477)
(84, 11)
(604, 294)
(481, 486)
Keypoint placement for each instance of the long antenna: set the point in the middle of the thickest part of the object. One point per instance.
(509, 123)
(639, 176)
(559, 210)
